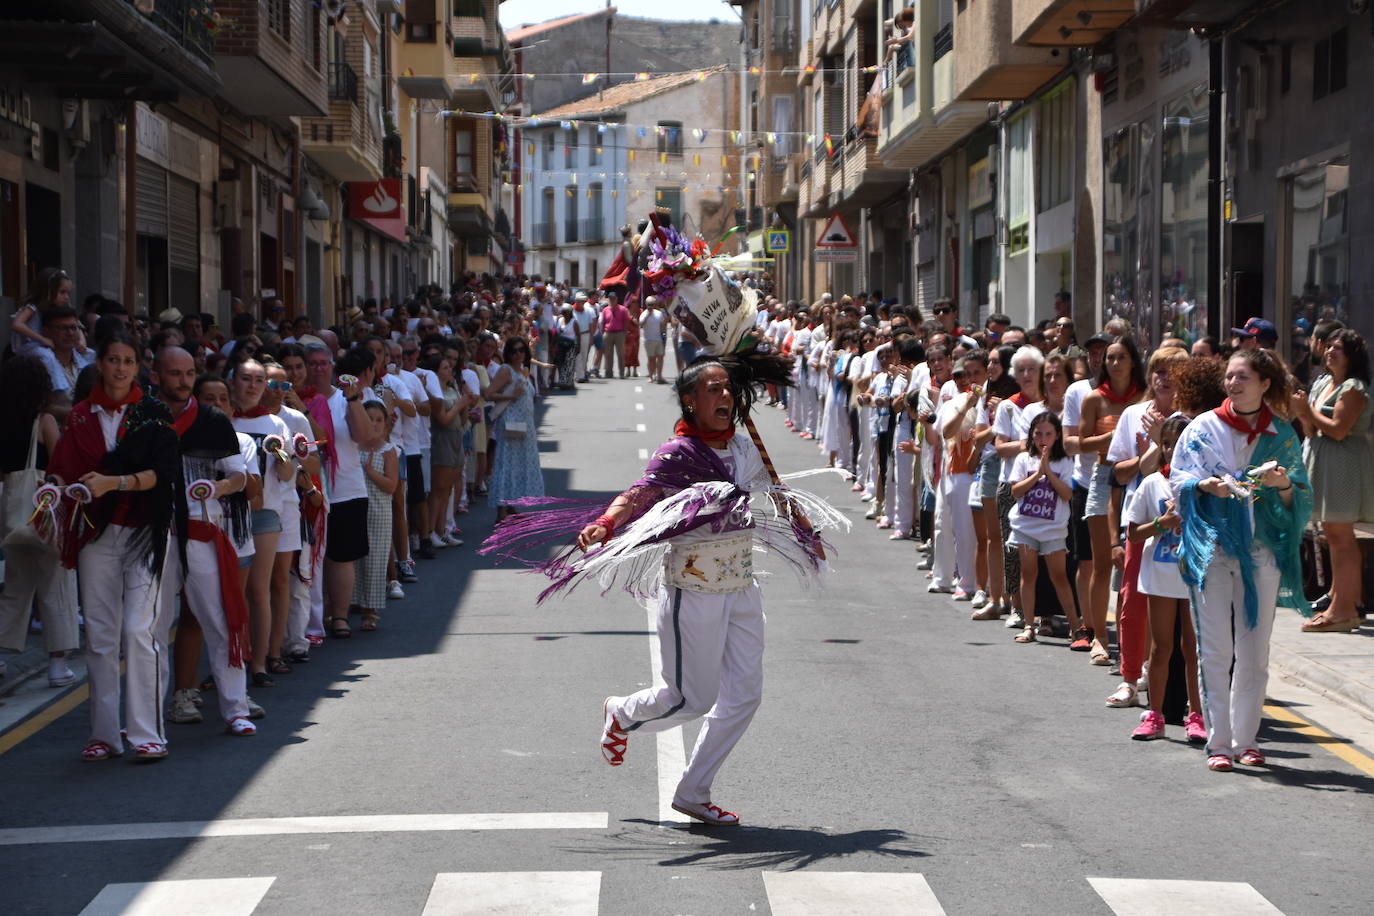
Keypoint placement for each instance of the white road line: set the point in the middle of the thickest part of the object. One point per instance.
(529, 893)
(204, 897)
(849, 893)
(639, 389)
(644, 454)
(641, 428)
(672, 755)
(639, 405)
(1144, 897)
(269, 826)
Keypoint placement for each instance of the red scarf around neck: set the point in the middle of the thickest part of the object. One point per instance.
(1021, 400)
(251, 412)
(1105, 389)
(1226, 413)
(187, 417)
(99, 398)
(684, 428)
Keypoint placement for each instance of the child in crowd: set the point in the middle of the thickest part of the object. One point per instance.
(382, 470)
(1151, 517)
(1042, 486)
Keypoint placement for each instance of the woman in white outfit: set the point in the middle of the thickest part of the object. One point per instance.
(1242, 493)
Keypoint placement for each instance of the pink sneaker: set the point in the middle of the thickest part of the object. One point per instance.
(1151, 727)
(1195, 728)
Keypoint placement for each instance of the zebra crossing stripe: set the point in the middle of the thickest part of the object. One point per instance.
(529, 893)
(849, 893)
(204, 897)
(1147, 897)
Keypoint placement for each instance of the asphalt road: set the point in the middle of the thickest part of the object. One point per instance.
(905, 759)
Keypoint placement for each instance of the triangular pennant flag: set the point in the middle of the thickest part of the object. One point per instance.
(697, 133)
(643, 132)
(772, 138)
(472, 78)
(755, 71)
(662, 158)
(601, 128)
(724, 161)
(589, 78)
(641, 77)
(615, 194)
(632, 155)
(696, 159)
(700, 76)
(566, 125)
(531, 149)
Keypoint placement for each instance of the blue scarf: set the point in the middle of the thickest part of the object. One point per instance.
(1210, 522)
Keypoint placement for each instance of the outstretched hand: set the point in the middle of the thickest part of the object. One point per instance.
(592, 535)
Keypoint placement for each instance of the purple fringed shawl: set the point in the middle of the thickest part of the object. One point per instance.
(678, 464)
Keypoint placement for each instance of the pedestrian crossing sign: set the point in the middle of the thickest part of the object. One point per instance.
(779, 241)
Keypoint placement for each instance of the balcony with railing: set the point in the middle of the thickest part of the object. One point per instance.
(592, 230)
(570, 234)
(543, 236)
(270, 56)
(1068, 23)
(987, 66)
(348, 142)
(186, 23)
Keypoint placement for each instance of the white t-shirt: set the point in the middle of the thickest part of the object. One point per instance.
(1159, 573)
(429, 389)
(1013, 423)
(651, 323)
(1073, 412)
(349, 482)
(259, 428)
(567, 327)
(1041, 514)
(585, 318)
(402, 433)
(248, 463)
(1123, 445)
(299, 424)
(471, 382)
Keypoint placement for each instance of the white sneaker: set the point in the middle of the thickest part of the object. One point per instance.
(1015, 621)
(872, 511)
(707, 814)
(961, 595)
(980, 599)
(924, 564)
(1143, 684)
(59, 674)
(935, 588)
(393, 589)
(184, 711)
(437, 542)
(254, 710)
(453, 540)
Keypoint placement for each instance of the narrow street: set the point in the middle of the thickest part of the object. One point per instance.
(905, 760)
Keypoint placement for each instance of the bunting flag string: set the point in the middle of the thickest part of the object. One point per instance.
(640, 76)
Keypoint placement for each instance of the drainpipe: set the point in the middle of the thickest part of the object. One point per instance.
(1216, 74)
(130, 200)
(298, 256)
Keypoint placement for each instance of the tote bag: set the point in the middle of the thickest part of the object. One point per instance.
(16, 503)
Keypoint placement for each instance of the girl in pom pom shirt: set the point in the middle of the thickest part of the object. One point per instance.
(1042, 487)
(1152, 519)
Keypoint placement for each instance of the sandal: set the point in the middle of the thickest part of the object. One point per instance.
(338, 628)
(1027, 635)
(1082, 640)
(262, 679)
(150, 752)
(98, 750)
(277, 666)
(1123, 698)
(1323, 623)
(1100, 655)
(369, 623)
(614, 741)
(1044, 629)
(241, 726)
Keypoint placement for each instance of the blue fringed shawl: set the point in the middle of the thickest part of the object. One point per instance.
(1210, 522)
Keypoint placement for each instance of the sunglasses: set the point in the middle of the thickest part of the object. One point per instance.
(275, 385)
(944, 310)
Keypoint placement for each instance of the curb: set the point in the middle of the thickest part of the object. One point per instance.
(1325, 680)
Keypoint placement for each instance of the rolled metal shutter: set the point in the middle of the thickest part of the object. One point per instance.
(183, 238)
(150, 198)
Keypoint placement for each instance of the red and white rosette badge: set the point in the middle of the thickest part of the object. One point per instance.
(347, 381)
(44, 519)
(200, 491)
(301, 446)
(275, 446)
(80, 494)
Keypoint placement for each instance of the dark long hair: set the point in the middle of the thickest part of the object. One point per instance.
(27, 386)
(747, 372)
(1268, 364)
(1137, 367)
(1057, 450)
(1356, 353)
(45, 288)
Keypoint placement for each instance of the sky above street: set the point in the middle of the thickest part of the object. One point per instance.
(522, 12)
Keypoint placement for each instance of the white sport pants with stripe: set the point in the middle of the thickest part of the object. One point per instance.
(1233, 659)
(120, 603)
(712, 648)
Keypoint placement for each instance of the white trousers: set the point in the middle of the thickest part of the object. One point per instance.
(199, 582)
(306, 615)
(1233, 698)
(811, 404)
(118, 596)
(954, 545)
(867, 451)
(712, 650)
(898, 498)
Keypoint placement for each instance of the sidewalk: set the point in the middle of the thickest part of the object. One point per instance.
(1335, 665)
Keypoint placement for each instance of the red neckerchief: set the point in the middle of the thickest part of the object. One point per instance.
(1226, 413)
(1020, 400)
(683, 428)
(101, 399)
(186, 418)
(1105, 389)
(1165, 471)
(251, 412)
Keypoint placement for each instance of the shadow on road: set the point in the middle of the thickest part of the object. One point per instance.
(748, 848)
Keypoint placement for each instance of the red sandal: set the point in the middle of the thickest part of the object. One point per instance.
(98, 750)
(614, 740)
